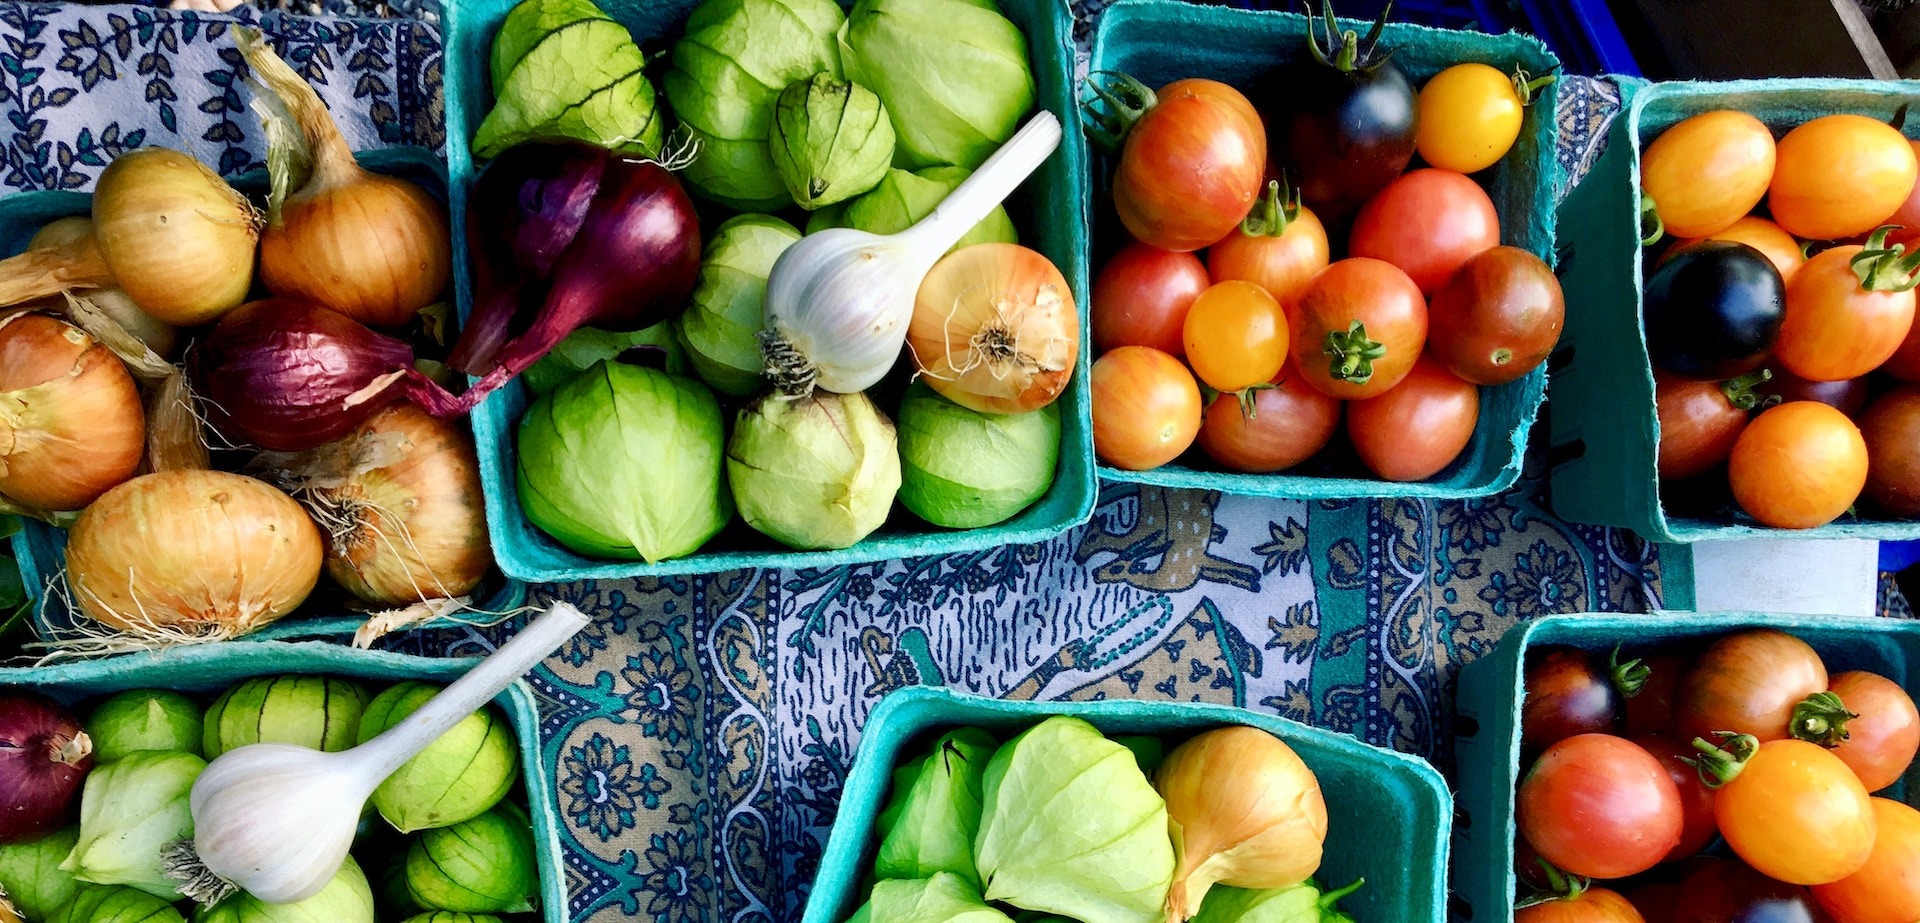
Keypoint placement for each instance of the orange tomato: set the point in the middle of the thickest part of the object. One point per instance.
(1708, 171)
(1798, 465)
(1362, 325)
(1835, 329)
(1770, 239)
(1146, 408)
(1594, 905)
(1887, 888)
(1281, 263)
(1189, 169)
(1219, 92)
(1290, 422)
(1416, 429)
(1884, 734)
(1235, 336)
(1796, 813)
(1840, 175)
(1907, 216)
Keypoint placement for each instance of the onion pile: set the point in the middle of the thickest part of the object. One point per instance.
(139, 349)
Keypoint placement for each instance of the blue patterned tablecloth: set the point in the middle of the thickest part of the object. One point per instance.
(699, 732)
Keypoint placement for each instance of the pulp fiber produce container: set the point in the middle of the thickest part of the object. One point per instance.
(1048, 210)
(1389, 813)
(1605, 432)
(1159, 41)
(1491, 690)
(203, 671)
(40, 548)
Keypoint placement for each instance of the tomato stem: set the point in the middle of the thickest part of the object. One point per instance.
(1118, 102)
(1723, 764)
(1651, 227)
(1272, 212)
(1740, 393)
(1822, 719)
(1525, 85)
(1350, 354)
(1629, 677)
(1884, 268)
(1345, 50)
(1328, 899)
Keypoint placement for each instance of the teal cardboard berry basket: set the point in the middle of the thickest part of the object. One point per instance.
(1159, 41)
(1388, 813)
(40, 549)
(1603, 420)
(204, 670)
(1491, 690)
(1049, 210)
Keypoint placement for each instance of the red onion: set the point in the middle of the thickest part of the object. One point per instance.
(44, 755)
(290, 376)
(567, 235)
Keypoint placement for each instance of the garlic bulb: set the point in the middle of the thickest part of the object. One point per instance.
(838, 302)
(276, 820)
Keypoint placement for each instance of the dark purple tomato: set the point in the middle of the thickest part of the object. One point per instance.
(1567, 693)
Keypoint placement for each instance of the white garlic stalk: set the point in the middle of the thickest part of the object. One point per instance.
(276, 820)
(839, 301)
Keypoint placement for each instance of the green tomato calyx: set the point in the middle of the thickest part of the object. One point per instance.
(1886, 268)
(1350, 354)
(1723, 764)
(1118, 102)
(1821, 718)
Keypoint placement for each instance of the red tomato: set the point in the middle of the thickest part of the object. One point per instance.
(1594, 905)
(1907, 216)
(1887, 888)
(1698, 827)
(1428, 223)
(1748, 683)
(1836, 329)
(1796, 813)
(1290, 423)
(1651, 710)
(1416, 429)
(1146, 408)
(1190, 168)
(1566, 694)
(1236, 336)
(1142, 296)
(1599, 806)
(1362, 327)
(1798, 465)
(1770, 239)
(1725, 891)
(1289, 248)
(1699, 424)
(1497, 317)
(1891, 428)
(1885, 736)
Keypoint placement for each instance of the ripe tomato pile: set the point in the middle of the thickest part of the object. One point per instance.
(1636, 768)
(1764, 357)
(1254, 351)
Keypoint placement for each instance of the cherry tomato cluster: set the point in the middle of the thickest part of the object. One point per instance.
(1763, 354)
(1254, 351)
(1636, 767)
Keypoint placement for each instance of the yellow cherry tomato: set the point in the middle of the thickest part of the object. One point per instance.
(1840, 175)
(1236, 336)
(1470, 115)
(1708, 171)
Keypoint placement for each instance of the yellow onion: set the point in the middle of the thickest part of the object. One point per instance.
(178, 240)
(184, 556)
(70, 420)
(399, 501)
(994, 329)
(372, 247)
(117, 304)
(1244, 811)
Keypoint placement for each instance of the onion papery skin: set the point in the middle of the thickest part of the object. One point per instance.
(179, 240)
(192, 555)
(995, 329)
(44, 756)
(158, 336)
(71, 423)
(1244, 810)
(372, 247)
(290, 375)
(414, 529)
